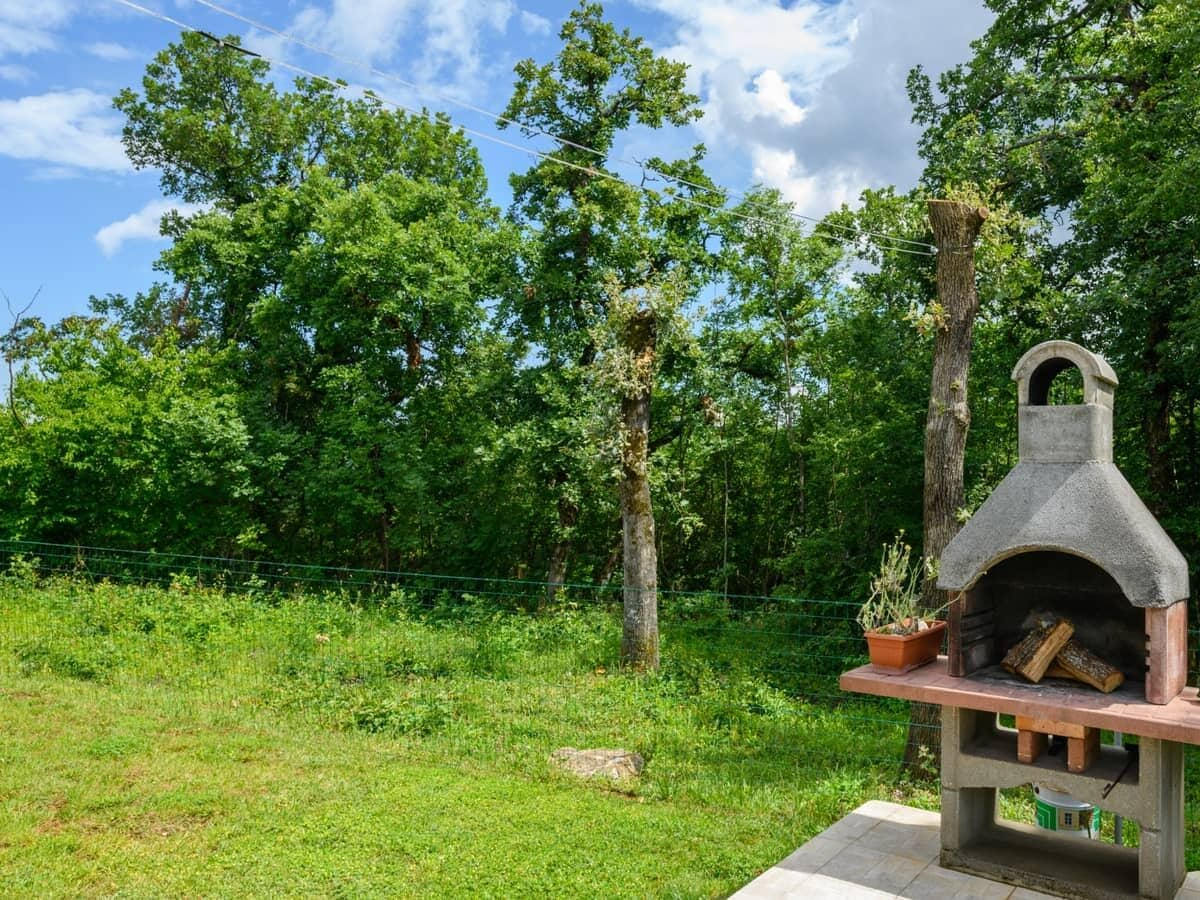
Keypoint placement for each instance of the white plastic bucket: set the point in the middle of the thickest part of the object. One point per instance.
(1059, 811)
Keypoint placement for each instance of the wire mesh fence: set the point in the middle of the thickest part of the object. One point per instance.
(385, 650)
(501, 671)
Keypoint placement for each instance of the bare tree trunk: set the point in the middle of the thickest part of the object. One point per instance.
(955, 229)
(385, 518)
(605, 573)
(556, 572)
(383, 532)
(11, 350)
(639, 640)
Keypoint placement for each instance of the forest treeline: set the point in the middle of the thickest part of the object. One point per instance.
(353, 357)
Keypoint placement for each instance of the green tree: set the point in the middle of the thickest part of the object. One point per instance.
(119, 446)
(1086, 113)
(346, 263)
(782, 283)
(593, 230)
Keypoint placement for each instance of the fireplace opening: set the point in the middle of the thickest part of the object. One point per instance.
(1020, 592)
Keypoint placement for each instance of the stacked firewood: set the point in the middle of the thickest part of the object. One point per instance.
(1052, 650)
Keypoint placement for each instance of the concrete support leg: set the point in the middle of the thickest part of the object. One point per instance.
(967, 812)
(1160, 854)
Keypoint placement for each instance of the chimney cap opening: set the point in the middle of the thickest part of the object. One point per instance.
(1035, 371)
(1042, 379)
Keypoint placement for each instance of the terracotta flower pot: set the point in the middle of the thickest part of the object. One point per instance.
(900, 653)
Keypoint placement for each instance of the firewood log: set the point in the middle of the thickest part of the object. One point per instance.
(1087, 667)
(1033, 654)
(1054, 670)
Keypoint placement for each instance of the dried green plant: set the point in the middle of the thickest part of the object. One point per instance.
(895, 606)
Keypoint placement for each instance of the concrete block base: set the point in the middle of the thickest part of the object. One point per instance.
(1061, 866)
(886, 850)
(978, 759)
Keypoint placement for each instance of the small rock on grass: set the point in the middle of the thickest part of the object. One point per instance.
(613, 764)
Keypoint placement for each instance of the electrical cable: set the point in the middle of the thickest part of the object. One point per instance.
(589, 170)
(502, 119)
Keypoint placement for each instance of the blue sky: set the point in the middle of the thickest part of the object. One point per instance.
(806, 96)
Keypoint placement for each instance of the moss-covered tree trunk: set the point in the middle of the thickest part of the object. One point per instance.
(955, 229)
(556, 569)
(639, 639)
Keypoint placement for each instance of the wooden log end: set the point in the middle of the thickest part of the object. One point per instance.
(1085, 666)
(1033, 654)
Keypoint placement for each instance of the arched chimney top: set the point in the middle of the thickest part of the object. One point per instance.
(1035, 371)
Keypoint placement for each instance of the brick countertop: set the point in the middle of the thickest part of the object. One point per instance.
(992, 690)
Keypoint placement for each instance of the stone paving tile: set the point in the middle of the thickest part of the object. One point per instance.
(772, 884)
(900, 839)
(853, 862)
(909, 815)
(936, 883)
(886, 850)
(858, 865)
(853, 826)
(811, 856)
(821, 887)
(893, 874)
(879, 809)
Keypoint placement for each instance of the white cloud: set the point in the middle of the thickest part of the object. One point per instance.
(452, 49)
(811, 96)
(758, 65)
(369, 29)
(532, 23)
(110, 51)
(773, 98)
(73, 128)
(54, 173)
(145, 224)
(821, 191)
(15, 73)
(444, 35)
(805, 41)
(27, 26)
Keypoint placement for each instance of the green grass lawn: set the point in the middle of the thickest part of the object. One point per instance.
(190, 742)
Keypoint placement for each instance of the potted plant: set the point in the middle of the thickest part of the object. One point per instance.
(901, 634)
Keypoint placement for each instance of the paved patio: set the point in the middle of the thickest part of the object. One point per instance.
(885, 850)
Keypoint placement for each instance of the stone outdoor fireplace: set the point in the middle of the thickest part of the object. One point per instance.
(1064, 534)
(1063, 539)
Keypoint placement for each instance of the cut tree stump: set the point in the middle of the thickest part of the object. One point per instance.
(1036, 651)
(1085, 666)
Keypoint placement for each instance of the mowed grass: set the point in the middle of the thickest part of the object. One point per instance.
(194, 742)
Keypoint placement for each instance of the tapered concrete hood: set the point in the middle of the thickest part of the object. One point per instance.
(1065, 493)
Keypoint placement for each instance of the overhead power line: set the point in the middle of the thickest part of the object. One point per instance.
(590, 170)
(503, 119)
